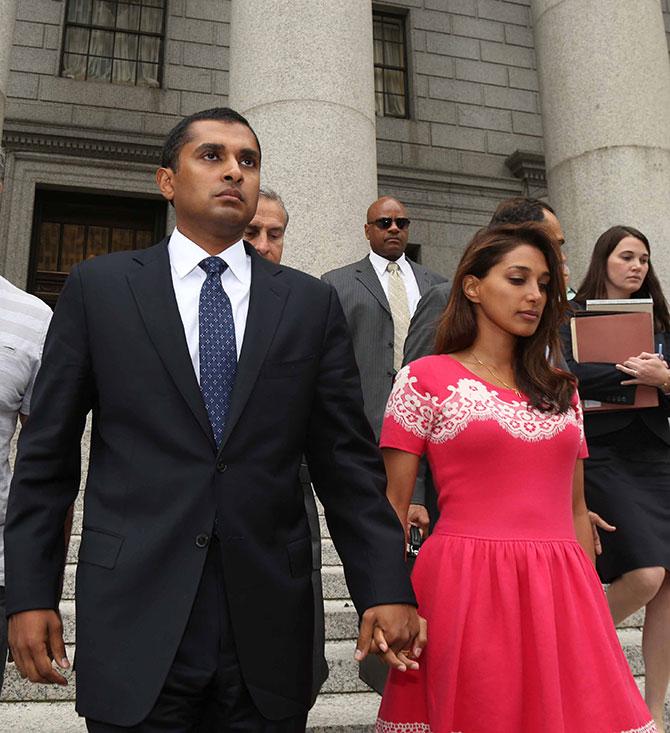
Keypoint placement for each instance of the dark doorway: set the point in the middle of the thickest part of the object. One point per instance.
(69, 227)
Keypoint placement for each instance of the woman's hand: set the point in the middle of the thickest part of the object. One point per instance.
(649, 369)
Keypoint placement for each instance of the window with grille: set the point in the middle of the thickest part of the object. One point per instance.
(118, 41)
(390, 54)
(69, 227)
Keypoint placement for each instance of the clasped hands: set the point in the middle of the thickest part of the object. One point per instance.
(395, 632)
(649, 369)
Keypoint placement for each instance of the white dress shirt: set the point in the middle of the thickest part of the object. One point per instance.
(411, 287)
(188, 278)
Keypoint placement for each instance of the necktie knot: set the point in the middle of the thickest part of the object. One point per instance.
(213, 265)
(392, 267)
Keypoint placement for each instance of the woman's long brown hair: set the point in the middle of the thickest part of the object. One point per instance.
(547, 388)
(594, 284)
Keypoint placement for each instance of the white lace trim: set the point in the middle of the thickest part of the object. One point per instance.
(388, 726)
(430, 418)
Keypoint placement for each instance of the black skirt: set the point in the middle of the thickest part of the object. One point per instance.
(627, 482)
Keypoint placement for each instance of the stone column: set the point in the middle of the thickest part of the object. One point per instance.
(302, 73)
(7, 18)
(605, 90)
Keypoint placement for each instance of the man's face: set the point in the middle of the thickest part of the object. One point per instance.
(388, 243)
(215, 187)
(266, 230)
(554, 227)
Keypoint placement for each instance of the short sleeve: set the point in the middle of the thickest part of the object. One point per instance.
(34, 368)
(579, 418)
(409, 415)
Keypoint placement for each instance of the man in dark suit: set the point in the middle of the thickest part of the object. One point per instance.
(379, 295)
(210, 372)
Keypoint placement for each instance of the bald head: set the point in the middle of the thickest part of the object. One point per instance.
(387, 228)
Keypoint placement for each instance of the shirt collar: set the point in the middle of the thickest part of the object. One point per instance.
(380, 263)
(186, 255)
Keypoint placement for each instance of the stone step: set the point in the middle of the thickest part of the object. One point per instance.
(329, 556)
(341, 620)
(40, 717)
(631, 642)
(346, 713)
(17, 689)
(343, 667)
(334, 584)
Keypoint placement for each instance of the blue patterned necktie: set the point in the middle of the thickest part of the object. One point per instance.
(218, 354)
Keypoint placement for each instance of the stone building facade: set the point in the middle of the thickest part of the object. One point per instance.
(473, 133)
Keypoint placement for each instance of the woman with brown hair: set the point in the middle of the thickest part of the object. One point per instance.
(627, 475)
(520, 636)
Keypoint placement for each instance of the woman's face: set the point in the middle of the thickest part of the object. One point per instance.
(513, 294)
(627, 267)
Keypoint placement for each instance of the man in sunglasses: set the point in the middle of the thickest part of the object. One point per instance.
(379, 295)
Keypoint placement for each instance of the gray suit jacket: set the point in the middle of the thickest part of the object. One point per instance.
(369, 317)
(420, 342)
(420, 339)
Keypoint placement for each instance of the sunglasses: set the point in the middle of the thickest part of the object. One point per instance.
(385, 222)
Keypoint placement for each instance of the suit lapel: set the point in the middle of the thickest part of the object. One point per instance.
(366, 274)
(151, 284)
(267, 298)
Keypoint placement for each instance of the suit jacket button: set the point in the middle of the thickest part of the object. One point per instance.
(221, 466)
(202, 540)
(391, 344)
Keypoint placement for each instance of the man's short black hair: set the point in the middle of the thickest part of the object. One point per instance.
(519, 210)
(179, 135)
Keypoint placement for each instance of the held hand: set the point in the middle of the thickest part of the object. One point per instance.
(395, 632)
(597, 521)
(35, 640)
(417, 516)
(646, 368)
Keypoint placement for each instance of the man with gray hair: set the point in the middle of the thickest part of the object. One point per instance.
(266, 230)
(266, 233)
(24, 320)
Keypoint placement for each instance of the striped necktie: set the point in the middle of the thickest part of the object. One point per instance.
(399, 312)
(218, 352)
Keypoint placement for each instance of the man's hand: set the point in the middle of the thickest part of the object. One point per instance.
(396, 632)
(597, 521)
(417, 515)
(36, 639)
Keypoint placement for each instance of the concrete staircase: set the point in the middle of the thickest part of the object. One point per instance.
(345, 704)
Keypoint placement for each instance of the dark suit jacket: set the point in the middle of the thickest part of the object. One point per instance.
(420, 342)
(369, 317)
(602, 382)
(156, 482)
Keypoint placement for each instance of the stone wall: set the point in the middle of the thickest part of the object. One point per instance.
(475, 102)
(195, 75)
(473, 97)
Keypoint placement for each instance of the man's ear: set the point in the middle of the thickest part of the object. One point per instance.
(471, 288)
(164, 178)
(366, 229)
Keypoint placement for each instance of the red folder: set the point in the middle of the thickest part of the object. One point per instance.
(612, 339)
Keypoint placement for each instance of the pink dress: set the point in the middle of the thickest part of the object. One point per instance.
(520, 638)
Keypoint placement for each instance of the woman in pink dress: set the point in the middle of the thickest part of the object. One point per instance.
(520, 638)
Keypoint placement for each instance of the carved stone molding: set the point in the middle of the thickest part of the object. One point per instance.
(80, 147)
(529, 167)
